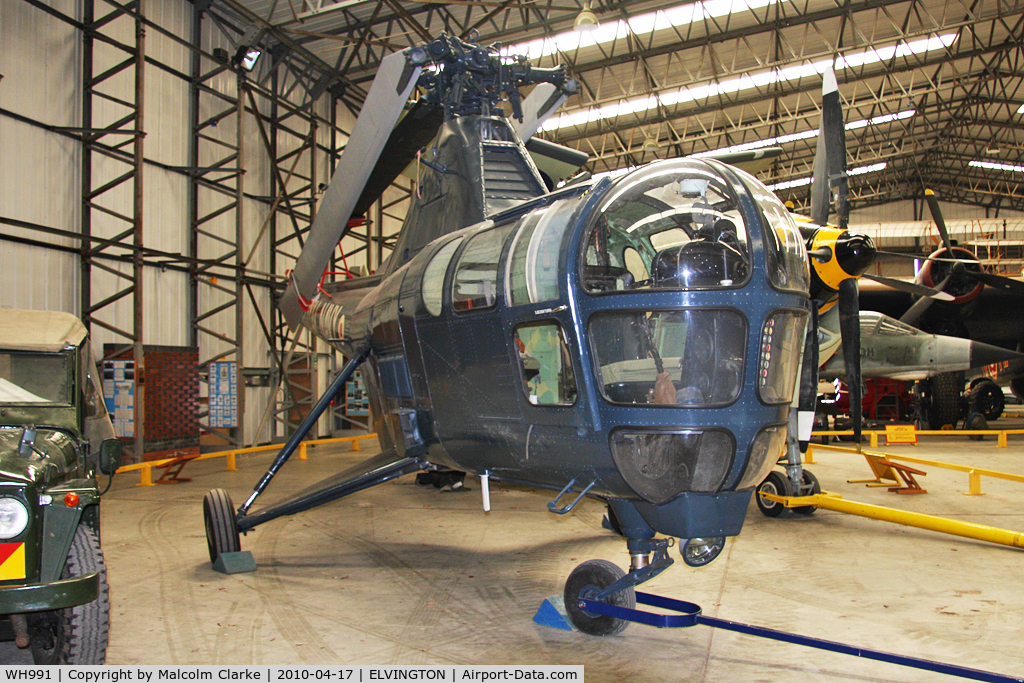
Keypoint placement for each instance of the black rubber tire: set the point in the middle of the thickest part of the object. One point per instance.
(987, 398)
(944, 408)
(812, 481)
(221, 528)
(775, 483)
(590, 578)
(79, 634)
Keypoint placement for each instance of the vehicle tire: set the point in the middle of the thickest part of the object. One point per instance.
(987, 398)
(221, 528)
(777, 484)
(79, 634)
(812, 481)
(589, 579)
(944, 408)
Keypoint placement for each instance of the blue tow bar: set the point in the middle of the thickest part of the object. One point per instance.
(688, 614)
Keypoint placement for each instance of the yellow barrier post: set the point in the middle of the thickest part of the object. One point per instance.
(229, 458)
(974, 477)
(874, 439)
(1002, 439)
(146, 472)
(809, 455)
(355, 443)
(302, 450)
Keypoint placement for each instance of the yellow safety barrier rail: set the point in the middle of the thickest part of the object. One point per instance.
(834, 501)
(974, 473)
(1002, 434)
(145, 469)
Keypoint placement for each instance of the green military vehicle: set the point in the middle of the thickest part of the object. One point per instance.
(54, 435)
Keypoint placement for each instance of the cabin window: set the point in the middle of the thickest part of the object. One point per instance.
(433, 277)
(682, 358)
(546, 365)
(671, 226)
(476, 276)
(35, 378)
(533, 265)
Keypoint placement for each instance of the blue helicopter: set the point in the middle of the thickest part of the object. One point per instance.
(637, 340)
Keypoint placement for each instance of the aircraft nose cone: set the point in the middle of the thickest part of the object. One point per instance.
(855, 253)
(986, 354)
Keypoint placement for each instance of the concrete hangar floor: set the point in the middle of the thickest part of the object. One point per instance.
(403, 574)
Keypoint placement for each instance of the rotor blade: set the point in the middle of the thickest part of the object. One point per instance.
(395, 80)
(543, 101)
(808, 399)
(849, 327)
(940, 223)
(751, 161)
(1002, 282)
(414, 132)
(912, 287)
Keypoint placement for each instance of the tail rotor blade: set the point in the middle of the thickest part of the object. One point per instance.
(849, 327)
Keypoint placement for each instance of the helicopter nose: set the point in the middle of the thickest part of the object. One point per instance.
(855, 253)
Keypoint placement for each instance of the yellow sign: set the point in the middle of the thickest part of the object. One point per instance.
(900, 434)
(12, 561)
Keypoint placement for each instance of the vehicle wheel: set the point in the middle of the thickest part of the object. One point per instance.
(587, 580)
(76, 635)
(812, 481)
(986, 397)
(777, 484)
(944, 408)
(221, 528)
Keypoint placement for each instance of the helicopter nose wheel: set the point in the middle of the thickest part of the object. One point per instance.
(698, 552)
(221, 528)
(586, 581)
(776, 483)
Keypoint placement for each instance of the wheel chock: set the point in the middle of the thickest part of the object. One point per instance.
(552, 613)
(235, 563)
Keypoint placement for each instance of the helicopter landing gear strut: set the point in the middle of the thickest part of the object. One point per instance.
(604, 582)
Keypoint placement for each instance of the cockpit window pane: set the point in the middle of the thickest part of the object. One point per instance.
(684, 358)
(533, 265)
(788, 268)
(681, 219)
(476, 277)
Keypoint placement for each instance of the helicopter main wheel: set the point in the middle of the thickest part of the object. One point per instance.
(815, 488)
(586, 581)
(776, 483)
(221, 528)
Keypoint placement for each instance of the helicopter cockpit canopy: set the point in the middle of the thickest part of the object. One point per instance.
(687, 225)
(673, 225)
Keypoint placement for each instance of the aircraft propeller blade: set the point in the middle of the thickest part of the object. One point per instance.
(1006, 284)
(830, 157)
(849, 328)
(940, 222)
(807, 402)
(911, 287)
(392, 86)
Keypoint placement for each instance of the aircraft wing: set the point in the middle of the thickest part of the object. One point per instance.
(392, 86)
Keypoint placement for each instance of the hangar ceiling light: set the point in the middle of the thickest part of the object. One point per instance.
(638, 25)
(993, 166)
(800, 182)
(746, 82)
